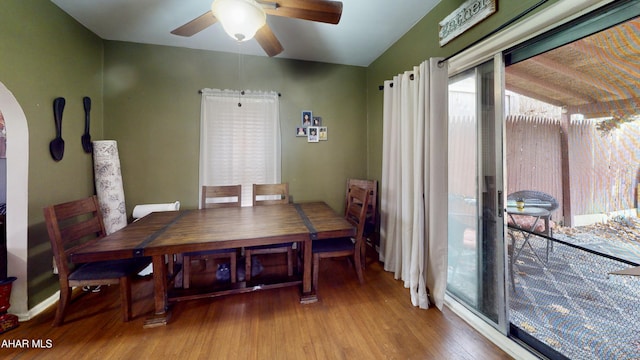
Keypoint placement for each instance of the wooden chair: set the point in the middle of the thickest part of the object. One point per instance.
(269, 194)
(371, 231)
(76, 223)
(356, 214)
(215, 197)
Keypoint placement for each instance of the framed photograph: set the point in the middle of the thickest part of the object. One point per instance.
(322, 133)
(312, 134)
(301, 131)
(317, 121)
(306, 118)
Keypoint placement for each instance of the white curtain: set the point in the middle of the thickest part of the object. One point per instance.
(413, 198)
(239, 139)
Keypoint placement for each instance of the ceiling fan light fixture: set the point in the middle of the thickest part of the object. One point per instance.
(240, 19)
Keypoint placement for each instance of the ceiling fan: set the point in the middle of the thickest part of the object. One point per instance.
(253, 15)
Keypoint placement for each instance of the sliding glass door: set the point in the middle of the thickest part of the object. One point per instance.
(475, 216)
(567, 127)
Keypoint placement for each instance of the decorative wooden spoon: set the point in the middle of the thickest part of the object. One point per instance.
(56, 147)
(86, 138)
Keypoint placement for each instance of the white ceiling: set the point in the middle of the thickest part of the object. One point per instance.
(367, 27)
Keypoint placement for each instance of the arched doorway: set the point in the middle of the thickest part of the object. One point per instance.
(17, 198)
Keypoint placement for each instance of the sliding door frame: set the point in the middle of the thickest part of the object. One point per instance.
(548, 18)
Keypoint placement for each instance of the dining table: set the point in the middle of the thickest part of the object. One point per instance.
(164, 235)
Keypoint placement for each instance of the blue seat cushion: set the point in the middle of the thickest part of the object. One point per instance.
(109, 269)
(210, 252)
(269, 246)
(369, 228)
(331, 245)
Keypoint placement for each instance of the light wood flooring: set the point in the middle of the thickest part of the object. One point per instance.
(350, 321)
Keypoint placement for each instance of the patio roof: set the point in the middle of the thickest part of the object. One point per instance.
(596, 76)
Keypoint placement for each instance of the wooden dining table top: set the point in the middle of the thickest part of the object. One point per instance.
(174, 232)
(208, 229)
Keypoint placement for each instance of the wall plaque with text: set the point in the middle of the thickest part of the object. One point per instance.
(464, 17)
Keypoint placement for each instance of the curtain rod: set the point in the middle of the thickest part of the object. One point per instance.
(381, 87)
(242, 91)
(493, 32)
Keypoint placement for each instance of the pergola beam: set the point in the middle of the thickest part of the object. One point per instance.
(540, 84)
(574, 74)
(533, 95)
(606, 109)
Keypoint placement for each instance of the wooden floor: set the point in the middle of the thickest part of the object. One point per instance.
(351, 321)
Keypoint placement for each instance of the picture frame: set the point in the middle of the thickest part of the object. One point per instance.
(301, 131)
(317, 121)
(306, 117)
(323, 133)
(312, 134)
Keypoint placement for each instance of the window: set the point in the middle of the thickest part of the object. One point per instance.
(239, 139)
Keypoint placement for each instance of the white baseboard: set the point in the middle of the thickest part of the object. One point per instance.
(507, 345)
(51, 300)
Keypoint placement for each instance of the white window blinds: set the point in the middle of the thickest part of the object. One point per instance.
(239, 144)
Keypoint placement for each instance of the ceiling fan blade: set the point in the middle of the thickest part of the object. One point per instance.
(196, 25)
(268, 41)
(315, 10)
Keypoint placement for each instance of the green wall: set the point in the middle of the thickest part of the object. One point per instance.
(46, 54)
(417, 45)
(152, 108)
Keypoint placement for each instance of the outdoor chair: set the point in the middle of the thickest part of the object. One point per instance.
(536, 199)
(539, 199)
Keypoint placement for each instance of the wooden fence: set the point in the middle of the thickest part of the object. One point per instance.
(604, 171)
(534, 157)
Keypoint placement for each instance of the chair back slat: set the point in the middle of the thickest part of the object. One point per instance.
(372, 188)
(270, 194)
(356, 213)
(221, 196)
(72, 224)
(75, 208)
(76, 231)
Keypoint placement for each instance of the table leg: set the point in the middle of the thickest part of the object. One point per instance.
(526, 237)
(307, 295)
(512, 259)
(547, 229)
(161, 315)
